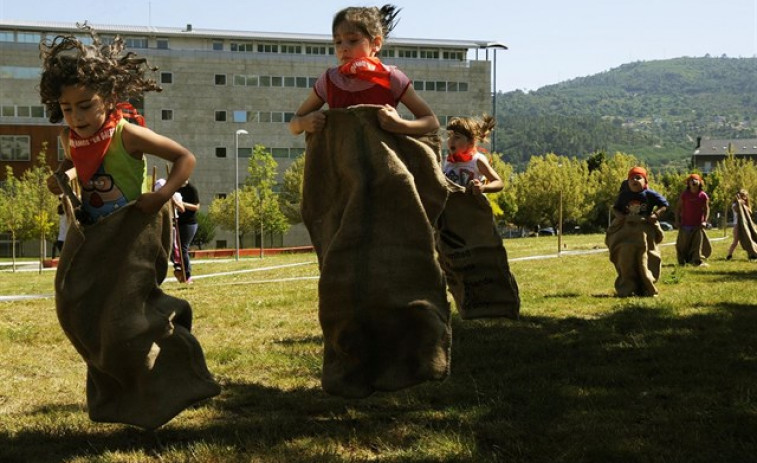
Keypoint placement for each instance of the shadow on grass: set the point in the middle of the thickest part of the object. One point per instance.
(636, 385)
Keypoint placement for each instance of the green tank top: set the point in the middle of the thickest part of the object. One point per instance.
(128, 173)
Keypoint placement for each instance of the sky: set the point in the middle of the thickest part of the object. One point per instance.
(549, 41)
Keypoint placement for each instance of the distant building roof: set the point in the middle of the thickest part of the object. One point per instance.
(190, 30)
(739, 146)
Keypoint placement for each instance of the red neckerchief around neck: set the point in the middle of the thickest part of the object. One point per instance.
(88, 153)
(461, 156)
(367, 68)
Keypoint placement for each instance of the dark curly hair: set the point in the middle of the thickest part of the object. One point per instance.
(371, 21)
(100, 67)
(473, 128)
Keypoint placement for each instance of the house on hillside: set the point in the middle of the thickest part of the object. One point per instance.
(708, 152)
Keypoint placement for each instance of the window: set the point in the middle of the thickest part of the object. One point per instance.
(252, 81)
(221, 244)
(288, 81)
(135, 42)
(7, 36)
(280, 152)
(240, 116)
(245, 152)
(451, 86)
(293, 49)
(407, 53)
(429, 54)
(166, 78)
(441, 86)
(265, 116)
(19, 72)
(220, 151)
(302, 82)
(268, 48)
(418, 84)
(243, 47)
(61, 151)
(15, 147)
(38, 111)
(218, 46)
(28, 37)
(277, 81)
(220, 79)
(288, 116)
(239, 80)
(277, 116)
(462, 86)
(315, 50)
(162, 44)
(386, 53)
(265, 81)
(7, 111)
(294, 153)
(23, 111)
(166, 114)
(220, 116)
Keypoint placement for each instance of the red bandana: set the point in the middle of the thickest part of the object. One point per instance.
(368, 69)
(88, 153)
(463, 156)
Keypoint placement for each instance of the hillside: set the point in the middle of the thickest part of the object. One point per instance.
(653, 109)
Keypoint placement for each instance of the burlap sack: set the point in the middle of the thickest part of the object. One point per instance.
(474, 258)
(143, 365)
(636, 255)
(747, 231)
(369, 201)
(692, 246)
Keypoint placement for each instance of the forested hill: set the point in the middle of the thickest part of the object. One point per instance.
(652, 109)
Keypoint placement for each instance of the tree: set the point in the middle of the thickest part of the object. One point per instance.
(206, 230)
(731, 175)
(290, 198)
(548, 178)
(12, 207)
(261, 180)
(222, 212)
(41, 216)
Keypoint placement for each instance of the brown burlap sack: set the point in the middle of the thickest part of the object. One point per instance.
(692, 246)
(143, 365)
(636, 255)
(747, 231)
(474, 258)
(369, 201)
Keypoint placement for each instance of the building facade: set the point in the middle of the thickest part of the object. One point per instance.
(709, 152)
(216, 82)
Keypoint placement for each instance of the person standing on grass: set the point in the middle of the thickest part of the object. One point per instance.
(187, 229)
(62, 228)
(635, 234)
(692, 211)
(743, 226)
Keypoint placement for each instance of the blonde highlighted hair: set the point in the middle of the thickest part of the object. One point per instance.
(474, 128)
(371, 21)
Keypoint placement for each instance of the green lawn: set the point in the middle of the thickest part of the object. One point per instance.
(581, 377)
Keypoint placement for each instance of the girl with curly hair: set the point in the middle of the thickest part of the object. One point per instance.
(87, 86)
(361, 78)
(465, 165)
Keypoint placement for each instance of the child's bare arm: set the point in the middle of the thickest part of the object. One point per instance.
(308, 118)
(425, 120)
(138, 140)
(494, 183)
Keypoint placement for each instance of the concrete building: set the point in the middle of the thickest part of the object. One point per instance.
(216, 82)
(709, 152)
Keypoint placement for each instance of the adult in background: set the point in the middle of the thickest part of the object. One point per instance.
(62, 228)
(187, 229)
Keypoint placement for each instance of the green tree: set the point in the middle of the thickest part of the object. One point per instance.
(290, 198)
(261, 180)
(206, 230)
(729, 176)
(12, 209)
(41, 216)
(504, 203)
(222, 212)
(549, 181)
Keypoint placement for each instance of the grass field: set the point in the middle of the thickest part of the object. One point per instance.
(582, 377)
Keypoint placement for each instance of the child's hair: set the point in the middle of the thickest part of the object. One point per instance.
(697, 177)
(473, 128)
(744, 195)
(100, 67)
(371, 21)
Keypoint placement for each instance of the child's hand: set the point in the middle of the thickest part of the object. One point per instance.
(389, 119)
(150, 203)
(313, 122)
(476, 186)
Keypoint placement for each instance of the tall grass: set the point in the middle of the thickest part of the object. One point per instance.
(582, 376)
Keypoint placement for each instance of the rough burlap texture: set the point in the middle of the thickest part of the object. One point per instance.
(474, 258)
(143, 365)
(747, 231)
(369, 200)
(692, 246)
(634, 251)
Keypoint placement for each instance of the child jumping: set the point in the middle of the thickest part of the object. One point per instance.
(144, 366)
(372, 190)
(744, 232)
(692, 211)
(471, 252)
(361, 78)
(634, 236)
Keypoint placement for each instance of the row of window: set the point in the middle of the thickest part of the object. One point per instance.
(251, 47)
(22, 111)
(284, 153)
(15, 148)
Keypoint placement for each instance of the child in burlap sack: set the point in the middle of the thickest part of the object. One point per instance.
(692, 211)
(635, 234)
(471, 252)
